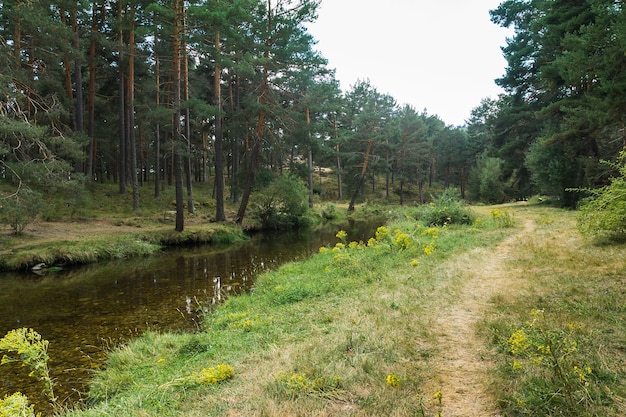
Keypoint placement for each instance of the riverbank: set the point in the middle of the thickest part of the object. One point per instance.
(105, 229)
(417, 321)
(101, 239)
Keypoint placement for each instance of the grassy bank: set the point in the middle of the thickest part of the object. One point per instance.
(354, 331)
(363, 329)
(108, 243)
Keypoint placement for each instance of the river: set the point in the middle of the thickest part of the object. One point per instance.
(86, 311)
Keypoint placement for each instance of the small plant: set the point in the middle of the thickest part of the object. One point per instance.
(445, 210)
(207, 376)
(554, 373)
(437, 397)
(393, 380)
(293, 385)
(20, 210)
(213, 376)
(16, 405)
(31, 350)
(502, 218)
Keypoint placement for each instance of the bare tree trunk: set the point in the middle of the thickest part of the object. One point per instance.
(362, 177)
(309, 158)
(157, 151)
(187, 159)
(258, 137)
(91, 99)
(177, 139)
(122, 103)
(339, 180)
(220, 215)
(131, 109)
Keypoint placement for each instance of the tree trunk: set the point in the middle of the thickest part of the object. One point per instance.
(258, 137)
(187, 159)
(362, 177)
(339, 180)
(122, 103)
(91, 99)
(157, 139)
(220, 215)
(131, 109)
(309, 157)
(178, 143)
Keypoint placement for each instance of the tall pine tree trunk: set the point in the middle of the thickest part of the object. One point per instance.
(131, 109)
(309, 157)
(122, 104)
(178, 141)
(362, 177)
(220, 215)
(187, 159)
(157, 139)
(258, 137)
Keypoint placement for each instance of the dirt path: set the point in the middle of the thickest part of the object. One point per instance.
(461, 373)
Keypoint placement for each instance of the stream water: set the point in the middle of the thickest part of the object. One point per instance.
(85, 311)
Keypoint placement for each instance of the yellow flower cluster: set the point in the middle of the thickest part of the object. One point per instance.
(213, 376)
(342, 235)
(27, 343)
(381, 233)
(16, 405)
(401, 240)
(295, 384)
(518, 342)
(428, 249)
(393, 380)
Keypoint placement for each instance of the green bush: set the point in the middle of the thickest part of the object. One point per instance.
(283, 204)
(604, 212)
(485, 181)
(21, 209)
(447, 209)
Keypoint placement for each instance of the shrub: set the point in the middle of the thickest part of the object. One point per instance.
(604, 212)
(447, 209)
(19, 210)
(485, 181)
(283, 204)
(552, 370)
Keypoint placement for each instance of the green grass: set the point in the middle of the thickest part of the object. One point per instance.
(326, 335)
(578, 288)
(312, 336)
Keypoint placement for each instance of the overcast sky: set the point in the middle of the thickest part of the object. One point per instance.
(438, 55)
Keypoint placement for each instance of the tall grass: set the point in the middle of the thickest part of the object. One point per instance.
(560, 339)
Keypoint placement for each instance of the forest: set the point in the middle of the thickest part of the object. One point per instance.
(155, 94)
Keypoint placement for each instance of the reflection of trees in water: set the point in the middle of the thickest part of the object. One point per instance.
(86, 311)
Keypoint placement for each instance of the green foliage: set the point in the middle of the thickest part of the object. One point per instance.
(29, 348)
(329, 212)
(293, 385)
(485, 182)
(447, 209)
(604, 212)
(553, 166)
(502, 218)
(16, 405)
(283, 204)
(20, 209)
(552, 370)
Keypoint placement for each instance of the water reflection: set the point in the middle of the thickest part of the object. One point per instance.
(85, 311)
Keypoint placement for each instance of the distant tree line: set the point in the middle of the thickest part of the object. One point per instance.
(178, 92)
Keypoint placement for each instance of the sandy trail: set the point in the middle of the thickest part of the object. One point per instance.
(461, 370)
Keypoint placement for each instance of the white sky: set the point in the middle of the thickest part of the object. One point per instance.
(438, 55)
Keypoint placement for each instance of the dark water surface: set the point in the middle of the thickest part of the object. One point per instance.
(85, 311)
